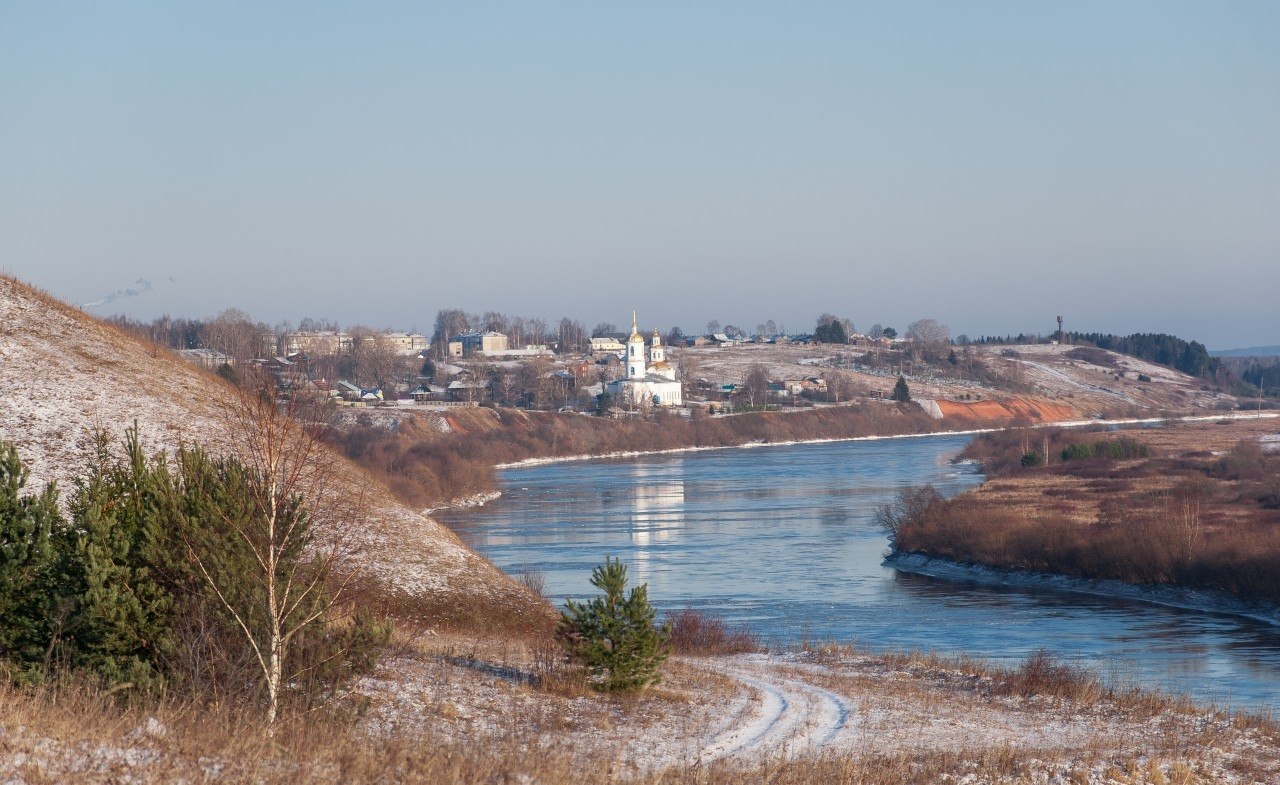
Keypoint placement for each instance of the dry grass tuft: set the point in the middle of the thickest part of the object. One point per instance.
(1042, 674)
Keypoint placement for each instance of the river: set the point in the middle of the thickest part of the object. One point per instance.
(783, 538)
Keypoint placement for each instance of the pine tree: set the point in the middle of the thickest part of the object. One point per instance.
(122, 617)
(901, 393)
(28, 567)
(614, 636)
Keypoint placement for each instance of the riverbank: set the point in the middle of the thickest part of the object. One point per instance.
(429, 459)
(1071, 424)
(1203, 600)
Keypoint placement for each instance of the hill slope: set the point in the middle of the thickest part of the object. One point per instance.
(64, 374)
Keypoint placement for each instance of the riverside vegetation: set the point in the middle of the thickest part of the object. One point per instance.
(1107, 506)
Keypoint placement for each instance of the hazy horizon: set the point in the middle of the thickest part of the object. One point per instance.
(988, 165)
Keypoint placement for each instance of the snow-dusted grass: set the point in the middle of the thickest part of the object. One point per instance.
(449, 709)
(1045, 367)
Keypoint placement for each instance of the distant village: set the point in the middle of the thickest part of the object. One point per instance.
(496, 361)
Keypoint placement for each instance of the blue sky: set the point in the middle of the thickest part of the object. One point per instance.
(987, 164)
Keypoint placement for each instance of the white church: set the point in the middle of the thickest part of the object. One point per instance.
(649, 381)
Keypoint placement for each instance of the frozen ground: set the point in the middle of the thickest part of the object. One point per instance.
(749, 708)
(745, 711)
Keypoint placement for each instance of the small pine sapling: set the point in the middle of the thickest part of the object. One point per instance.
(613, 635)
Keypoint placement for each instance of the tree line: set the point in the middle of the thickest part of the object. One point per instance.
(1190, 357)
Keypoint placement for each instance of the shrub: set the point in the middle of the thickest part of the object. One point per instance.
(1078, 452)
(1043, 674)
(1089, 354)
(915, 507)
(1246, 461)
(1142, 377)
(693, 632)
(614, 635)
(1121, 449)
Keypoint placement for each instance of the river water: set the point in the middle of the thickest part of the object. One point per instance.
(783, 538)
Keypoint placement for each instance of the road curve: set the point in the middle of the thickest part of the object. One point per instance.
(794, 716)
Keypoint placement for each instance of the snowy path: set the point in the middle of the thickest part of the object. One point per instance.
(794, 716)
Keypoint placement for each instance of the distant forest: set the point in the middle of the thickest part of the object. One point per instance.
(1190, 357)
(1241, 375)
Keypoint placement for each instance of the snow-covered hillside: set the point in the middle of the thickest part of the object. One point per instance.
(64, 374)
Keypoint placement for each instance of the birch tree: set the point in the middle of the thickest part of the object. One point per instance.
(291, 522)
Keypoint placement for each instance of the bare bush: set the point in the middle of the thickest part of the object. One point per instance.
(697, 633)
(1043, 674)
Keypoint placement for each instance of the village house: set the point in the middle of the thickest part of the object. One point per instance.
(529, 351)
(607, 344)
(469, 344)
(318, 343)
(348, 391)
(403, 343)
(207, 358)
(467, 391)
(811, 384)
(428, 393)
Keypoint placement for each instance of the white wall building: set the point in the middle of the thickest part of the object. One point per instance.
(650, 380)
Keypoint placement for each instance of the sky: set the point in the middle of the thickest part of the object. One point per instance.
(986, 164)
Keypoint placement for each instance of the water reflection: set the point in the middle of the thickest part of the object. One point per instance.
(656, 515)
(784, 539)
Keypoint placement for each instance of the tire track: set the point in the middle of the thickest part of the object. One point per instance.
(794, 716)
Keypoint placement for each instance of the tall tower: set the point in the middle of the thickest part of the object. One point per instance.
(657, 353)
(1062, 337)
(635, 352)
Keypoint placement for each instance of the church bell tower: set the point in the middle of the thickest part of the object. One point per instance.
(635, 352)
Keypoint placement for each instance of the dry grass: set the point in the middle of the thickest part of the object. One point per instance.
(1185, 518)
(489, 713)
